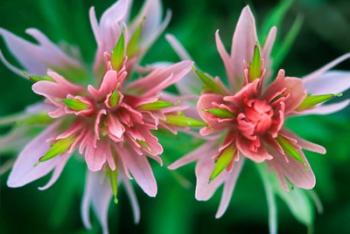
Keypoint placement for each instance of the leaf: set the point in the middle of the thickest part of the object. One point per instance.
(275, 17)
(287, 43)
(134, 42)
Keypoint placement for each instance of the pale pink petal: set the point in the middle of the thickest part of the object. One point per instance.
(266, 51)
(226, 59)
(178, 48)
(108, 85)
(305, 144)
(243, 42)
(326, 109)
(37, 58)
(98, 195)
(151, 14)
(330, 82)
(133, 199)
(201, 151)
(27, 167)
(229, 186)
(293, 90)
(95, 157)
(316, 74)
(140, 169)
(205, 188)
(298, 173)
(57, 172)
(160, 79)
(190, 85)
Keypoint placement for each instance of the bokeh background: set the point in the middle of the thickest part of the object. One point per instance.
(324, 35)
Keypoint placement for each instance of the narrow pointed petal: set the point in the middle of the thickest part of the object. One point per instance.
(133, 199)
(316, 74)
(37, 58)
(330, 82)
(267, 49)
(57, 172)
(229, 187)
(26, 168)
(226, 59)
(151, 14)
(327, 109)
(140, 169)
(205, 188)
(243, 42)
(298, 173)
(161, 78)
(305, 144)
(201, 151)
(97, 194)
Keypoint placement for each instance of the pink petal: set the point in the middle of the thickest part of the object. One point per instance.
(160, 79)
(25, 169)
(294, 90)
(96, 157)
(202, 151)
(57, 172)
(133, 199)
(226, 59)
(298, 173)
(190, 85)
(326, 109)
(205, 188)
(229, 186)
(37, 58)
(305, 144)
(330, 82)
(140, 169)
(266, 51)
(151, 14)
(98, 195)
(108, 85)
(207, 101)
(316, 74)
(243, 42)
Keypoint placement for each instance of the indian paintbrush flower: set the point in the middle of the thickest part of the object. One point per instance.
(111, 121)
(246, 120)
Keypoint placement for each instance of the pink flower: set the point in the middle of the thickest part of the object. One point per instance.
(247, 120)
(110, 124)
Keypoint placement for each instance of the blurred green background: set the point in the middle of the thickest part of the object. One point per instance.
(324, 35)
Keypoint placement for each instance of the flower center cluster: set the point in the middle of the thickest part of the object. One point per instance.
(255, 118)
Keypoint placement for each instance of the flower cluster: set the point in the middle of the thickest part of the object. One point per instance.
(110, 119)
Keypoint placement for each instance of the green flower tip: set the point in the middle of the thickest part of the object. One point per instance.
(157, 105)
(311, 101)
(114, 99)
(75, 104)
(118, 53)
(221, 113)
(113, 179)
(255, 66)
(208, 82)
(183, 121)
(36, 78)
(223, 160)
(40, 118)
(289, 149)
(134, 42)
(57, 148)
